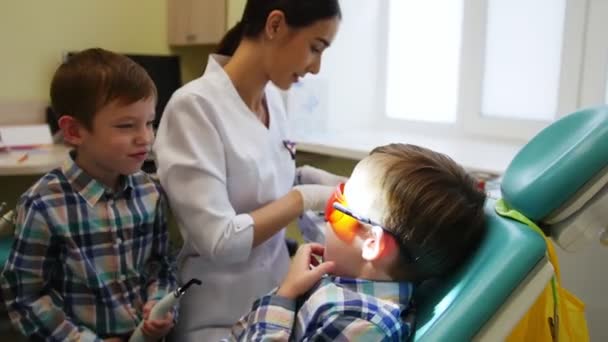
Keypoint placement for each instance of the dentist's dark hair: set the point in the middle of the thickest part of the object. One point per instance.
(298, 13)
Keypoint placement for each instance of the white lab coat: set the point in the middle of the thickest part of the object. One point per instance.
(217, 162)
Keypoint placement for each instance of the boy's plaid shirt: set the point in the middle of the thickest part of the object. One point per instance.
(86, 259)
(337, 309)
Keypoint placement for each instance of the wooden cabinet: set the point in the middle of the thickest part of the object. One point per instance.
(195, 22)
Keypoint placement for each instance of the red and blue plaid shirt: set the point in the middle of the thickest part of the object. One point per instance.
(337, 309)
(85, 258)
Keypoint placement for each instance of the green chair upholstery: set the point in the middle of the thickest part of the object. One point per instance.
(557, 163)
(5, 248)
(456, 308)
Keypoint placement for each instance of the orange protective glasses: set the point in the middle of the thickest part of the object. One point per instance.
(344, 222)
(344, 225)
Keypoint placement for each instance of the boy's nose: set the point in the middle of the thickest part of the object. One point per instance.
(145, 137)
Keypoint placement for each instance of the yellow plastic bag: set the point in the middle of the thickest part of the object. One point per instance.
(557, 314)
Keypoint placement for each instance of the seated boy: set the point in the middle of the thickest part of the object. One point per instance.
(406, 214)
(90, 256)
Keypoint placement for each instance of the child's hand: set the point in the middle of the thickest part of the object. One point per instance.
(155, 329)
(301, 277)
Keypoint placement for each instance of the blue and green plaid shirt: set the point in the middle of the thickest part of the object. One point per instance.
(337, 309)
(85, 258)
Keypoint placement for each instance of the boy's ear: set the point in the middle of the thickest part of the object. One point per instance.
(377, 244)
(71, 129)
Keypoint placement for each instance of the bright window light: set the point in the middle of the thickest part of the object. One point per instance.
(423, 59)
(523, 58)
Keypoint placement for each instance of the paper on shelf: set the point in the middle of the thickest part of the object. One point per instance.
(25, 136)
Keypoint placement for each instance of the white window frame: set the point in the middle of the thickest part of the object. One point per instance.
(595, 72)
(470, 122)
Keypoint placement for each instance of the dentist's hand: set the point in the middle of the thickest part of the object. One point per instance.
(314, 196)
(311, 175)
(301, 277)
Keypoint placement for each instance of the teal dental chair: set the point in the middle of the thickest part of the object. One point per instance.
(559, 180)
(6, 242)
(6, 233)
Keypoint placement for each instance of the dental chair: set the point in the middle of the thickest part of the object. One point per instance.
(6, 233)
(559, 180)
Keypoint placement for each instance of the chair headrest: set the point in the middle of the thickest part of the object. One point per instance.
(562, 169)
(449, 308)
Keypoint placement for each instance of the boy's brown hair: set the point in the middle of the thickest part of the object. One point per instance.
(89, 80)
(435, 208)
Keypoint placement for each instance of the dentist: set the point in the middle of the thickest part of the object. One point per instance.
(226, 162)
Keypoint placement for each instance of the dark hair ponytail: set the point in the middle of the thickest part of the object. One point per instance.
(298, 13)
(231, 40)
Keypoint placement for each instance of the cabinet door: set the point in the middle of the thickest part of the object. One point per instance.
(192, 22)
(235, 12)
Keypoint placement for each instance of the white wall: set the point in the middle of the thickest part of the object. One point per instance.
(585, 274)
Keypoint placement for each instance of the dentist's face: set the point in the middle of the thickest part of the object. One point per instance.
(296, 52)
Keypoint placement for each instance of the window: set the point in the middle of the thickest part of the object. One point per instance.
(523, 46)
(594, 81)
(497, 68)
(423, 66)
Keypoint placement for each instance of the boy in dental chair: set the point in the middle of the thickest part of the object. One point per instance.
(405, 215)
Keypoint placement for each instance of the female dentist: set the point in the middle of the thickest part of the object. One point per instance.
(226, 163)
